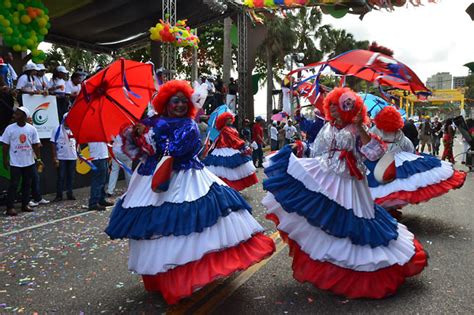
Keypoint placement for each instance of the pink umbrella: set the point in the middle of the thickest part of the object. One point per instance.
(280, 116)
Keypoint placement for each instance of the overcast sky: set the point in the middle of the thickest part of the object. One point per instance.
(432, 38)
(429, 39)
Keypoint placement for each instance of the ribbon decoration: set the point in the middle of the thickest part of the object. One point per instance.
(85, 160)
(120, 163)
(351, 163)
(126, 86)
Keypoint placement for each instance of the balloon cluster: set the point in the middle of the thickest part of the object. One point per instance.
(23, 25)
(179, 35)
(274, 3)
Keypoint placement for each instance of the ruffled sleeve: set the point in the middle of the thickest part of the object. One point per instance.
(136, 147)
(229, 138)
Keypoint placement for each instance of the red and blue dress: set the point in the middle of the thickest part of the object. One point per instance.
(419, 177)
(230, 160)
(340, 239)
(198, 230)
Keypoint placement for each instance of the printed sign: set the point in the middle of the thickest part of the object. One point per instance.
(44, 113)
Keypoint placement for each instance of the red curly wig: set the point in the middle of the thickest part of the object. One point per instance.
(334, 99)
(168, 90)
(389, 119)
(221, 120)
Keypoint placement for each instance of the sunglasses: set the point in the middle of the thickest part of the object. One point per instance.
(176, 100)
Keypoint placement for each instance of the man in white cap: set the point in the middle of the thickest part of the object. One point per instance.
(26, 81)
(21, 152)
(57, 86)
(41, 82)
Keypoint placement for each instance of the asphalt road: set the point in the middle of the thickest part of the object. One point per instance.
(59, 260)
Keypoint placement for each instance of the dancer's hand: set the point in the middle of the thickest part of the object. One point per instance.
(139, 129)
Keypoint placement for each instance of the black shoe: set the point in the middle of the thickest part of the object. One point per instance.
(97, 208)
(11, 212)
(71, 197)
(58, 198)
(26, 209)
(107, 203)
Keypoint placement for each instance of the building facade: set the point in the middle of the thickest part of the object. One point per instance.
(459, 82)
(440, 81)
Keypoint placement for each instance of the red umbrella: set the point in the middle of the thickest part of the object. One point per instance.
(115, 96)
(374, 67)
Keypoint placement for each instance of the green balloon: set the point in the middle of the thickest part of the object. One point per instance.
(337, 11)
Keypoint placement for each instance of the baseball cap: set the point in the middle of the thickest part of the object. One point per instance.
(259, 118)
(40, 67)
(61, 69)
(30, 66)
(25, 110)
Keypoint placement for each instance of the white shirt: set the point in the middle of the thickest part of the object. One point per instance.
(289, 131)
(72, 89)
(65, 144)
(12, 72)
(25, 84)
(273, 133)
(58, 82)
(21, 141)
(98, 150)
(41, 83)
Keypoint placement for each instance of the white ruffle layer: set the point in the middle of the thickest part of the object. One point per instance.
(346, 191)
(340, 251)
(415, 181)
(402, 156)
(237, 173)
(187, 185)
(224, 152)
(149, 257)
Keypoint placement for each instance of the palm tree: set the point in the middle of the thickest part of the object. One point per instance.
(280, 41)
(334, 42)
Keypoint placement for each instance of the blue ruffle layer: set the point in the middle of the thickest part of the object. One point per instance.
(175, 218)
(323, 212)
(407, 169)
(232, 161)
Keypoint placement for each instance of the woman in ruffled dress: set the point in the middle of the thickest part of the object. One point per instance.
(231, 158)
(339, 238)
(418, 177)
(193, 229)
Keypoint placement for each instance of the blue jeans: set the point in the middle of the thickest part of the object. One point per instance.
(274, 144)
(66, 172)
(99, 179)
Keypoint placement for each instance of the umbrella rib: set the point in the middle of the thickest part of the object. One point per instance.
(124, 111)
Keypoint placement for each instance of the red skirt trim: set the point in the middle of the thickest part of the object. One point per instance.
(350, 283)
(428, 192)
(242, 183)
(182, 281)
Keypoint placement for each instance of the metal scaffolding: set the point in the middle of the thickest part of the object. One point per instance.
(242, 65)
(169, 52)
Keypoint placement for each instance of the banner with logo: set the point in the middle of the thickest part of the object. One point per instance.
(44, 112)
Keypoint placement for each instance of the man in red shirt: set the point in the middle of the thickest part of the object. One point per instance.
(257, 136)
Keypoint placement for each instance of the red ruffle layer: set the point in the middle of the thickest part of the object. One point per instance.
(353, 284)
(428, 192)
(242, 183)
(182, 281)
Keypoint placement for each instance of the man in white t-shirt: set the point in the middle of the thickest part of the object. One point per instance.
(64, 157)
(99, 155)
(41, 82)
(274, 136)
(21, 145)
(290, 132)
(73, 86)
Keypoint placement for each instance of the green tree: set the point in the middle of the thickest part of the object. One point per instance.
(74, 58)
(334, 42)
